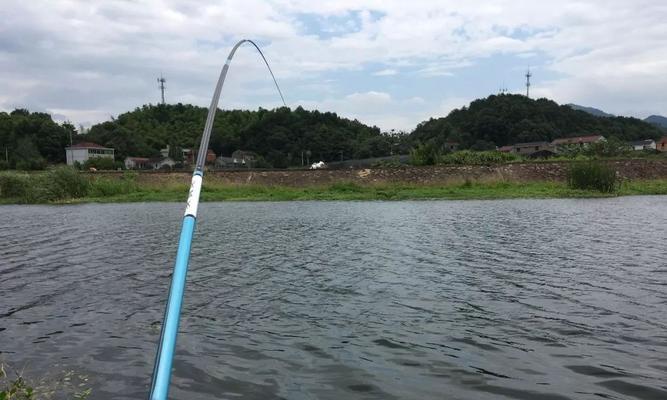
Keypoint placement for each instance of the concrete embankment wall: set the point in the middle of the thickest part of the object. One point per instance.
(431, 175)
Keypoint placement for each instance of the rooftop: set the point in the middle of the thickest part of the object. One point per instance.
(88, 145)
(578, 139)
(531, 144)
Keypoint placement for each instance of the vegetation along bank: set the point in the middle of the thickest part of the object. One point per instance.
(514, 180)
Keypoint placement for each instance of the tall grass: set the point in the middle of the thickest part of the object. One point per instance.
(104, 187)
(593, 176)
(467, 157)
(57, 184)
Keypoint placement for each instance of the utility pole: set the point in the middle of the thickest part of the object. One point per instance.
(161, 81)
(528, 76)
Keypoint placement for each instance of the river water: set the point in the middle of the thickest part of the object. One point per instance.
(522, 299)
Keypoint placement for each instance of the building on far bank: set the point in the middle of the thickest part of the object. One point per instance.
(224, 162)
(505, 149)
(136, 162)
(530, 148)
(452, 146)
(162, 163)
(82, 152)
(639, 145)
(581, 141)
(149, 163)
(661, 145)
(190, 156)
(242, 158)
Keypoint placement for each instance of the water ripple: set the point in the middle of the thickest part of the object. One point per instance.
(549, 299)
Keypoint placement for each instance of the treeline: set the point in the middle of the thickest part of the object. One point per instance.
(279, 135)
(501, 120)
(31, 140)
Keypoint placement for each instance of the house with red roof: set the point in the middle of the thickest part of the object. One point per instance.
(661, 145)
(82, 152)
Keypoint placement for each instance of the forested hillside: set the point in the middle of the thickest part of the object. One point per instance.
(278, 135)
(31, 140)
(506, 119)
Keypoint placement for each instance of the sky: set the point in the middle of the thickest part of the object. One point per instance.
(387, 63)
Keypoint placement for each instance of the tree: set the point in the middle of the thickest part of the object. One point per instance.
(27, 155)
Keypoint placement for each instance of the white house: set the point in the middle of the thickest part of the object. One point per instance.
(136, 162)
(640, 145)
(161, 163)
(83, 151)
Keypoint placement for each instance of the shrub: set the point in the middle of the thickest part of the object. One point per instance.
(60, 183)
(102, 187)
(425, 154)
(14, 184)
(101, 163)
(592, 176)
(467, 157)
(31, 164)
(66, 182)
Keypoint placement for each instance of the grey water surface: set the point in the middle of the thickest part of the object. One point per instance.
(521, 299)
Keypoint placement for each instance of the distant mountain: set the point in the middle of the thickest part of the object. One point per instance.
(658, 120)
(507, 119)
(590, 110)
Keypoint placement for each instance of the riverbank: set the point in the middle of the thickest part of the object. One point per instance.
(352, 191)
(64, 185)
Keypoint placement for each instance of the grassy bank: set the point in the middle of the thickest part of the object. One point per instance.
(352, 191)
(65, 186)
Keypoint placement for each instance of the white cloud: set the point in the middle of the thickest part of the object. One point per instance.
(386, 72)
(91, 59)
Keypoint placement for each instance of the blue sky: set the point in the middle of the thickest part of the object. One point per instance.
(388, 63)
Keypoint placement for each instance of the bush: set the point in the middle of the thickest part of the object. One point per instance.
(102, 163)
(58, 184)
(31, 164)
(102, 187)
(425, 154)
(593, 176)
(467, 157)
(13, 184)
(66, 182)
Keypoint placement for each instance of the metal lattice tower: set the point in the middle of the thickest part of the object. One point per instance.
(528, 76)
(161, 81)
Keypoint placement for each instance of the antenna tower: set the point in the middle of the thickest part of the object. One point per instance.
(528, 76)
(161, 81)
(503, 89)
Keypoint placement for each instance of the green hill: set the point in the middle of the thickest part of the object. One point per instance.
(500, 120)
(278, 135)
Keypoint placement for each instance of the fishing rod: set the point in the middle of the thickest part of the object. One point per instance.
(165, 350)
